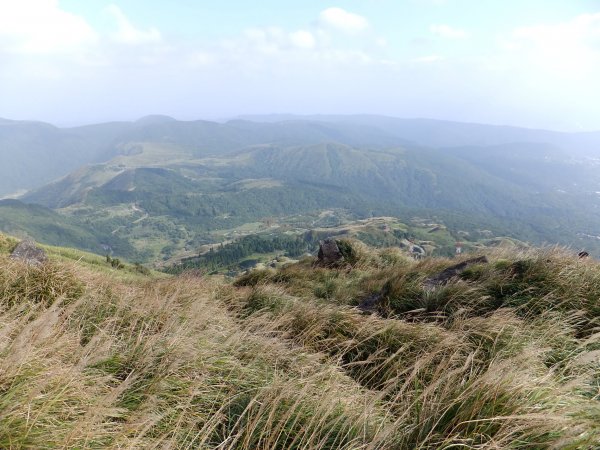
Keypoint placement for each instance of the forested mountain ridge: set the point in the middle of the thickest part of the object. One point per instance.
(34, 153)
(445, 133)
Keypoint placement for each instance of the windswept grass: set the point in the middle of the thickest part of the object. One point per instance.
(161, 364)
(282, 360)
(504, 356)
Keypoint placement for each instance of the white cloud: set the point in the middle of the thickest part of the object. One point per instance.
(343, 20)
(270, 58)
(41, 27)
(201, 59)
(273, 48)
(381, 42)
(428, 59)
(432, 2)
(448, 32)
(127, 33)
(267, 41)
(303, 39)
(570, 48)
(579, 29)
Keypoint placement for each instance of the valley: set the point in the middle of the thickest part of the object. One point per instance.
(161, 191)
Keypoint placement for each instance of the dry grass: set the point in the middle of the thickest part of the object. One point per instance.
(504, 357)
(159, 364)
(283, 361)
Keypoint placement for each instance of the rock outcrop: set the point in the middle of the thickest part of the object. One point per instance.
(447, 274)
(30, 253)
(373, 303)
(329, 252)
(417, 251)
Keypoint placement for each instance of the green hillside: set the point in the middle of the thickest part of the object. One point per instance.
(447, 134)
(163, 190)
(35, 153)
(52, 228)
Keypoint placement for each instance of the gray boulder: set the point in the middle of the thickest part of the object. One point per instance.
(374, 303)
(329, 252)
(451, 272)
(30, 253)
(371, 304)
(417, 249)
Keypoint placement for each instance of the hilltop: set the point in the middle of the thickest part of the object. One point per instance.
(504, 356)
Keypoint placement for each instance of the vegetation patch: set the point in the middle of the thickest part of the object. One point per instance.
(21, 283)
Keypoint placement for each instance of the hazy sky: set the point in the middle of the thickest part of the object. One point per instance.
(523, 62)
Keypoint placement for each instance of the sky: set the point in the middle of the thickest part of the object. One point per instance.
(532, 63)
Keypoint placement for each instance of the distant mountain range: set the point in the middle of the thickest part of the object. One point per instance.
(34, 153)
(127, 181)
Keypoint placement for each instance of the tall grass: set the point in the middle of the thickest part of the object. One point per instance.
(282, 360)
(160, 364)
(505, 356)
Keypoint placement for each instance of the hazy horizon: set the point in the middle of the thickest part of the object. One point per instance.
(532, 65)
(276, 117)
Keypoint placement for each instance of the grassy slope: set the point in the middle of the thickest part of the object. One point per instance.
(93, 359)
(49, 227)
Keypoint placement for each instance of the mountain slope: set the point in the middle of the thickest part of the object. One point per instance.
(460, 179)
(33, 153)
(52, 228)
(525, 191)
(281, 360)
(444, 133)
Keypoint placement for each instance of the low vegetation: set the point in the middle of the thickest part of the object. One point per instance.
(232, 254)
(505, 356)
